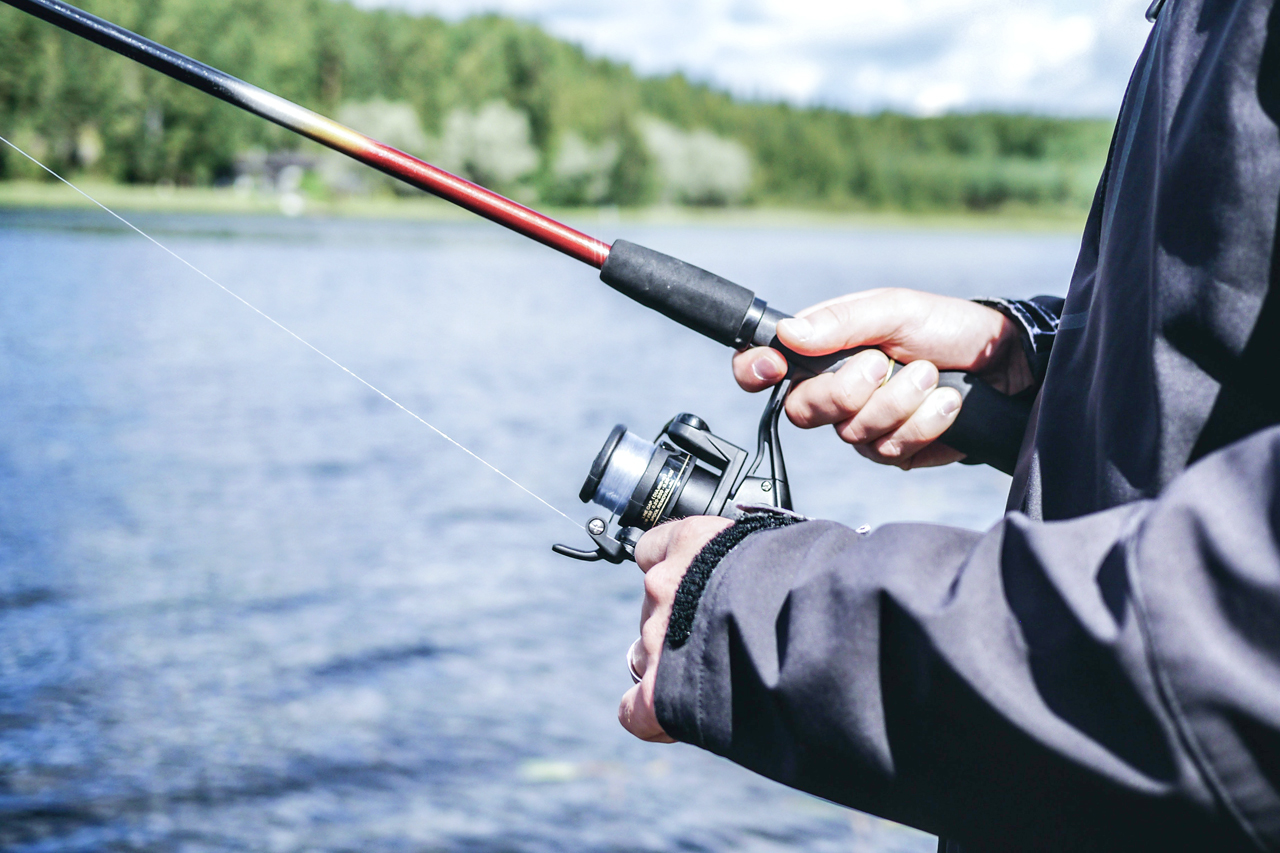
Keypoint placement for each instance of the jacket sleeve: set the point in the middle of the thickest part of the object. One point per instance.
(1106, 683)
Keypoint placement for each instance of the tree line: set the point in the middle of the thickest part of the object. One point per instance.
(509, 106)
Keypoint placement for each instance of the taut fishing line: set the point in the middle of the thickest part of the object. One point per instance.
(384, 395)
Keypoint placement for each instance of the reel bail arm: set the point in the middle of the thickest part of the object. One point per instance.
(607, 548)
(687, 470)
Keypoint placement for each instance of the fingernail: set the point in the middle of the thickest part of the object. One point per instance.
(925, 376)
(875, 368)
(950, 402)
(766, 370)
(797, 327)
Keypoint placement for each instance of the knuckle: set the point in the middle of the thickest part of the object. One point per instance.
(854, 432)
(694, 532)
(914, 432)
(646, 557)
(857, 436)
(900, 449)
(652, 548)
(653, 633)
(684, 533)
(799, 410)
(898, 403)
(849, 395)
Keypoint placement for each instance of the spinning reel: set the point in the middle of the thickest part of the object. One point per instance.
(687, 470)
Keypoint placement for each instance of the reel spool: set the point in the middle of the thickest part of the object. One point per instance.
(687, 470)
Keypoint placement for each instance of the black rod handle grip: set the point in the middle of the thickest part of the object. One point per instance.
(702, 301)
(988, 429)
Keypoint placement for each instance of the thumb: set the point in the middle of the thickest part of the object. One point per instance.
(840, 325)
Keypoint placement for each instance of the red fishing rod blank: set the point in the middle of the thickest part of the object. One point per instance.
(324, 130)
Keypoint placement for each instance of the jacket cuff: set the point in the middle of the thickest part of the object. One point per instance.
(1037, 321)
(686, 665)
(685, 607)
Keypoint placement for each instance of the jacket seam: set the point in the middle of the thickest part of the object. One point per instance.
(1169, 696)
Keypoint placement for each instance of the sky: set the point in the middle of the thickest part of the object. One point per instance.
(1061, 57)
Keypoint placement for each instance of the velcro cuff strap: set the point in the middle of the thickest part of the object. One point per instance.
(685, 607)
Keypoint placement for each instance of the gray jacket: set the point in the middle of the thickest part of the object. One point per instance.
(1101, 670)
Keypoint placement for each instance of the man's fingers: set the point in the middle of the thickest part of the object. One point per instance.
(660, 585)
(653, 545)
(831, 398)
(680, 539)
(652, 635)
(664, 553)
(646, 651)
(758, 368)
(926, 424)
(929, 457)
(637, 715)
(647, 607)
(891, 406)
(906, 324)
(637, 657)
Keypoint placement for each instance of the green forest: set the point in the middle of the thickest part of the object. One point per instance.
(505, 104)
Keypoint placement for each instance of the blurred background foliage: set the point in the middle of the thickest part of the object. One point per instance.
(506, 105)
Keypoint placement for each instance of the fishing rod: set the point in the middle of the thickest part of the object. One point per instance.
(989, 423)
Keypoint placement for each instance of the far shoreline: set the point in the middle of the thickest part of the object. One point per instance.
(37, 195)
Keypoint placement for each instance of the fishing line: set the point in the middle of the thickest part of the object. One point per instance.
(384, 395)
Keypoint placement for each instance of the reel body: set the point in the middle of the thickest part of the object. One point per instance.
(687, 470)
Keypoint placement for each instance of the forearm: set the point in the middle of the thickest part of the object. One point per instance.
(1042, 686)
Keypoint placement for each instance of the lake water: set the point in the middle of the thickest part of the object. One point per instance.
(247, 604)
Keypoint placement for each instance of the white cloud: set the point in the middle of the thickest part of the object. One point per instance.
(1053, 56)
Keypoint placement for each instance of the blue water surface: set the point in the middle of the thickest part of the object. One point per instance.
(248, 604)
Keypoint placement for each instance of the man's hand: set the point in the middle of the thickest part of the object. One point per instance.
(894, 422)
(664, 555)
